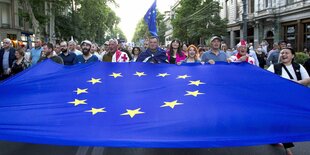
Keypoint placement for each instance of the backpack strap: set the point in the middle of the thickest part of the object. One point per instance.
(296, 67)
(277, 68)
(288, 72)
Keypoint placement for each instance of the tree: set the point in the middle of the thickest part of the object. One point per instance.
(34, 21)
(35, 12)
(161, 27)
(197, 20)
(141, 32)
(82, 19)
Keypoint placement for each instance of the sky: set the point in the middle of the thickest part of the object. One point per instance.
(132, 11)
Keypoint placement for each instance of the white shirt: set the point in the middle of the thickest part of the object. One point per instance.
(98, 56)
(253, 55)
(290, 68)
(120, 56)
(77, 52)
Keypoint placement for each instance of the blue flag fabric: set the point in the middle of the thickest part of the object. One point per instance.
(148, 105)
(150, 19)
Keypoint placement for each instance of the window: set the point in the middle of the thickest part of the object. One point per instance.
(227, 9)
(251, 6)
(238, 10)
(307, 35)
(237, 36)
(20, 18)
(268, 3)
(289, 1)
(4, 15)
(290, 34)
(250, 34)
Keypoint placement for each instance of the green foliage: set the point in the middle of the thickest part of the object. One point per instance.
(161, 27)
(301, 57)
(93, 15)
(140, 32)
(64, 27)
(198, 19)
(93, 19)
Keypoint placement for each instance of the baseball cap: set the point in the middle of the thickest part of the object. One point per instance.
(215, 37)
(86, 42)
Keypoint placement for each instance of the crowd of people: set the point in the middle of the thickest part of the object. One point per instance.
(69, 53)
(279, 60)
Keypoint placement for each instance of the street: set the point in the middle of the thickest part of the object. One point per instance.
(10, 148)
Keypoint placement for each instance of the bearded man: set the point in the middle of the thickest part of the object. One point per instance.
(86, 57)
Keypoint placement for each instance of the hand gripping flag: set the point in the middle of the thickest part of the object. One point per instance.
(148, 105)
(150, 19)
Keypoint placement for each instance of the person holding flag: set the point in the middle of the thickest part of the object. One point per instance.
(242, 54)
(154, 54)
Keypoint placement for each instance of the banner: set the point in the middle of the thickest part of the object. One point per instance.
(153, 105)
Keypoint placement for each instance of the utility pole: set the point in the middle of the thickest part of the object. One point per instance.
(245, 20)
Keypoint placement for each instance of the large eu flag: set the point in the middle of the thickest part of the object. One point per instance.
(150, 19)
(149, 105)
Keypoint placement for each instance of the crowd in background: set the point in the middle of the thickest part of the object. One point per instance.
(14, 60)
(279, 60)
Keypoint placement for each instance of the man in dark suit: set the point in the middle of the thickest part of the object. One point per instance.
(7, 56)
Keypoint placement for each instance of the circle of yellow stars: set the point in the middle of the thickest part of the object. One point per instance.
(133, 112)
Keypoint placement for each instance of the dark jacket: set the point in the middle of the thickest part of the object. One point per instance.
(307, 66)
(153, 57)
(11, 58)
(56, 59)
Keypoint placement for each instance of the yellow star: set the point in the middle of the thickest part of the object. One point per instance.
(80, 91)
(132, 113)
(193, 93)
(183, 76)
(171, 104)
(94, 111)
(94, 81)
(163, 74)
(140, 74)
(115, 75)
(197, 83)
(77, 102)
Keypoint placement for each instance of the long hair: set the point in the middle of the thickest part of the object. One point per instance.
(179, 51)
(20, 51)
(195, 49)
(133, 49)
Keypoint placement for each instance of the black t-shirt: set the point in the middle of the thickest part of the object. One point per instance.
(68, 59)
(56, 59)
(307, 66)
(172, 60)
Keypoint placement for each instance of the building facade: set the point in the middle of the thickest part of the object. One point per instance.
(169, 15)
(270, 20)
(12, 24)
